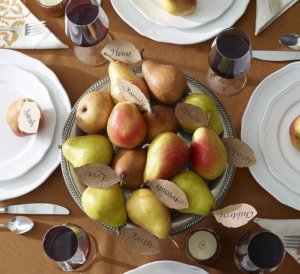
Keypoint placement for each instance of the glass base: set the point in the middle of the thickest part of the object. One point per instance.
(224, 86)
(92, 55)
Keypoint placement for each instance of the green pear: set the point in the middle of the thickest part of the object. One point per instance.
(201, 200)
(166, 82)
(208, 153)
(88, 149)
(116, 70)
(208, 105)
(105, 205)
(126, 126)
(167, 155)
(146, 211)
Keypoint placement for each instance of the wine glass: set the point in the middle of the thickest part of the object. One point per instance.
(86, 24)
(229, 60)
(259, 251)
(69, 246)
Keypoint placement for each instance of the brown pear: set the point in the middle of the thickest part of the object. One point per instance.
(166, 82)
(161, 120)
(120, 70)
(130, 164)
(126, 126)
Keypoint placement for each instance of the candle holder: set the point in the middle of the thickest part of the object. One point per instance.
(53, 7)
(203, 246)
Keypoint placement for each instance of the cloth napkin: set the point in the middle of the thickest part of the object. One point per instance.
(265, 15)
(15, 13)
(282, 227)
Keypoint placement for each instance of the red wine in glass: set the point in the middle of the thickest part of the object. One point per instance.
(229, 60)
(86, 24)
(69, 247)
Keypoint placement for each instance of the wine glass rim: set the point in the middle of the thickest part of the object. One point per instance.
(243, 33)
(66, 226)
(275, 236)
(100, 9)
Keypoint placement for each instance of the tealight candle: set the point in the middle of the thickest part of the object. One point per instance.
(203, 245)
(53, 7)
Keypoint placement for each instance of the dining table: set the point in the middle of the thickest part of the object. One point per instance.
(23, 254)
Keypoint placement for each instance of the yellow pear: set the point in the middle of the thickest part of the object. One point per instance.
(105, 205)
(179, 7)
(88, 149)
(146, 211)
(116, 70)
(93, 111)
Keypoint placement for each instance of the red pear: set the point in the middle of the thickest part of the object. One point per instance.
(208, 154)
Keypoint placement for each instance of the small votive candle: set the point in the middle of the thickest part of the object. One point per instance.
(203, 245)
(53, 7)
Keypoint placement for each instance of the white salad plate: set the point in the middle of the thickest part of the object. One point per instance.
(250, 133)
(42, 170)
(281, 157)
(179, 36)
(167, 267)
(205, 12)
(19, 154)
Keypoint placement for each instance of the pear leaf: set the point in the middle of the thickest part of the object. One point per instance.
(133, 94)
(235, 215)
(121, 50)
(140, 241)
(97, 175)
(190, 115)
(239, 153)
(169, 194)
(29, 117)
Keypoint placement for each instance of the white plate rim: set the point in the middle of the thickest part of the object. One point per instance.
(50, 162)
(266, 151)
(260, 172)
(45, 137)
(176, 36)
(162, 18)
(163, 264)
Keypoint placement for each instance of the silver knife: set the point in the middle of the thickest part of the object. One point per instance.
(36, 208)
(276, 55)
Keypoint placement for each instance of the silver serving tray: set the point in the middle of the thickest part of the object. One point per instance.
(180, 221)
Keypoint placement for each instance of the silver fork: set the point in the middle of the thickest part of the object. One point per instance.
(275, 6)
(27, 29)
(292, 241)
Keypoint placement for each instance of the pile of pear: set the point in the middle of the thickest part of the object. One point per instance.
(115, 134)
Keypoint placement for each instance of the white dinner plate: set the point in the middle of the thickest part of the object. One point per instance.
(205, 12)
(20, 154)
(281, 157)
(179, 36)
(167, 267)
(264, 92)
(40, 172)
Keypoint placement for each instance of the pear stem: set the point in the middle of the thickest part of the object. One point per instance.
(175, 243)
(123, 179)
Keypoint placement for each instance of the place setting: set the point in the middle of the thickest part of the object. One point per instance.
(148, 152)
(205, 19)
